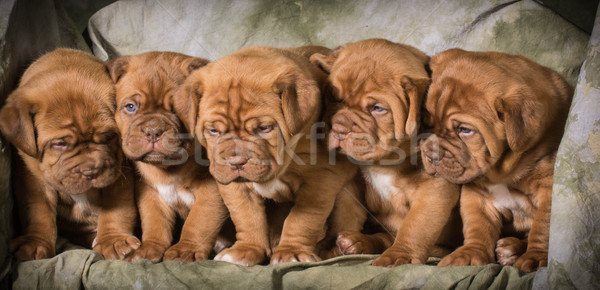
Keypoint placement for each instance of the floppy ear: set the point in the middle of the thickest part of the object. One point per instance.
(191, 64)
(16, 123)
(325, 62)
(186, 101)
(117, 67)
(300, 101)
(414, 90)
(525, 118)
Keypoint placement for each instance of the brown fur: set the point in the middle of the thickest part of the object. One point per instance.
(380, 86)
(498, 120)
(60, 120)
(253, 103)
(172, 182)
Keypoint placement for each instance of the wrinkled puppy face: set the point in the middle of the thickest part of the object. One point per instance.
(64, 120)
(146, 84)
(378, 86)
(251, 105)
(484, 108)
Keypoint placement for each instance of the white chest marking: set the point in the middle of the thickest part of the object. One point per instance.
(170, 195)
(271, 188)
(81, 200)
(502, 197)
(382, 184)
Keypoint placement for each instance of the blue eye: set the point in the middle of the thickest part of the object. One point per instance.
(463, 130)
(378, 109)
(129, 107)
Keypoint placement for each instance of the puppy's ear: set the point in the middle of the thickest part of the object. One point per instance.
(414, 90)
(300, 100)
(191, 64)
(16, 123)
(325, 62)
(524, 119)
(186, 101)
(117, 67)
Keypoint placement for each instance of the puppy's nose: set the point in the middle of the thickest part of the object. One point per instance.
(89, 171)
(433, 157)
(153, 134)
(340, 127)
(237, 161)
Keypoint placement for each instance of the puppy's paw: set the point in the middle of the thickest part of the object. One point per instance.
(242, 254)
(394, 257)
(509, 249)
(465, 256)
(149, 250)
(351, 243)
(116, 247)
(186, 252)
(532, 260)
(284, 254)
(27, 247)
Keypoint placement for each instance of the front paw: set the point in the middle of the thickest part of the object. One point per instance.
(466, 255)
(394, 257)
(351, 243)
(186, 252)
(509, 249)
(532, 260)
(242, 254)
(27, 247)
(284, 254)
(149, 250)
(116, 247)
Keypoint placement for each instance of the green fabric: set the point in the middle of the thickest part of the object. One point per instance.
(65, 270)
(574, 232)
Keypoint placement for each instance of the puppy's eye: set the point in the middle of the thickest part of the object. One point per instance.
(59, 144)
(130, 107)
(263, 129)
(213, 132)
(378, 110)
(464, 131)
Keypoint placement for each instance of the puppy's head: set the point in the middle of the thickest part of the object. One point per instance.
(487, 109)
(253, 104)
(146, 86)
(61, 115)
(378, 86)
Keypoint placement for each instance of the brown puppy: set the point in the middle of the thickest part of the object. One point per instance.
(60, 118)
(498, 120)
(380, 86)
(257, 108)
(172, 182)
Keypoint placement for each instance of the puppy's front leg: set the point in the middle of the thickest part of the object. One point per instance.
(37, 212)
(157, 224)
(482, 224)
(247, 211)
(305, 225)
(201, 226)
(536, 255)
(430, 211)
(115, 239)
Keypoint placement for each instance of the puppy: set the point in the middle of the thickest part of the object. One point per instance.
(256, 113)
(153, 136)
(60, 119)
(498, 120)
(379, 86)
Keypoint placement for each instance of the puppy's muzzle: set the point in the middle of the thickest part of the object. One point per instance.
(153, 131)
(341, 127)
(236, 162)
